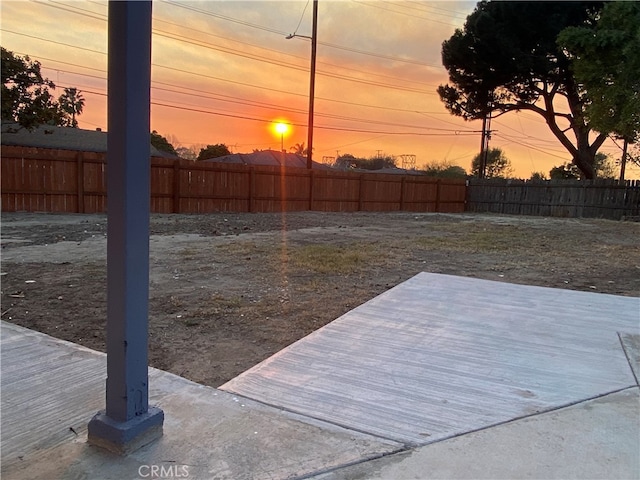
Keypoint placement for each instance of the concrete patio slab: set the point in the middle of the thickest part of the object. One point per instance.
(596, 439)
(51, 389)
(440, 377)
(438, 356)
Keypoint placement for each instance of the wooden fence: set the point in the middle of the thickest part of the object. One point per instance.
(47, 180)
(564, 198)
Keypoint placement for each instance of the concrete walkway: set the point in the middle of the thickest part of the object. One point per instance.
(440, 377)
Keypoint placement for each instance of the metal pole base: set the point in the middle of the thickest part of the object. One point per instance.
(125, 437)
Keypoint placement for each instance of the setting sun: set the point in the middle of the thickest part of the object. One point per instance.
(281, 128)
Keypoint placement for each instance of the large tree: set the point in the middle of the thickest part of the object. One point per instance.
(71, 104)
(497, 165)
(506, 58)
(213, 151)
(606, 61)
(27, 97)
(161, 143)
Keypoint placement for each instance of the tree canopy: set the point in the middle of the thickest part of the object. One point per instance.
(606, 61)
(213, 151)
(27, 98)
(444, 169)
(373, 163)
(506, 58)
(568, 171)
(497, 166)
(72, 104)
(161, 143)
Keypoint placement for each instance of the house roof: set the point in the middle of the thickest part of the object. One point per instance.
(63, 138)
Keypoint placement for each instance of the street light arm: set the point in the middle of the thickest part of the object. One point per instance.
(292, 35)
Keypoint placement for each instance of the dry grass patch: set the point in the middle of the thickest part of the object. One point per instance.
(328, 259)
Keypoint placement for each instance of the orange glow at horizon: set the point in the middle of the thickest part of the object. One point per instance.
(223, 73)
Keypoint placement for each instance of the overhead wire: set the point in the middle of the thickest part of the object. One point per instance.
(231, 51)
(173, 36)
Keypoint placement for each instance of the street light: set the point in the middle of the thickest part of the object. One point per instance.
(312, 81)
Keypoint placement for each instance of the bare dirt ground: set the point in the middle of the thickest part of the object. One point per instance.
(229, 290)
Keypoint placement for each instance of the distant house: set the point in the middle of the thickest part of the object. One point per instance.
(268, 157)
(61, 138)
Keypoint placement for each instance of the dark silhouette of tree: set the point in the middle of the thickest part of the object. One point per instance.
(606, 60)
(71, 104)
(161, 143)
(568, 171)
(299, 149)
(538, 177)
(27, 98)
(498, 165)
(347, 161)
(444, 170)
(187, 153)
(213, 151)
(506, 59)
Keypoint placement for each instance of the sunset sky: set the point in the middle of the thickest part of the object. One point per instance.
(223, 72)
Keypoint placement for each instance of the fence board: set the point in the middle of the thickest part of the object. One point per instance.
(69, 181)
(596, 199)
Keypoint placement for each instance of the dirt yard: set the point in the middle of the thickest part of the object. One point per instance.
(229, 290)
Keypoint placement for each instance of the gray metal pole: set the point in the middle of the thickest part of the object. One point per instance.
(312, 84)
(128, 423)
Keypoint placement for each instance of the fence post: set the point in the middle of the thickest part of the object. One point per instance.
(360, 189)
(402, 182)
(311, 176)
(252, 189)
(176, 186)
(80, 181)
(438, 186)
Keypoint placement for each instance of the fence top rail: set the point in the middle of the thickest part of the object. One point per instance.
(599, 182)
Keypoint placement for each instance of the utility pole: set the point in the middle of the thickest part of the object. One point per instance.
(312, 84)
(484, 146)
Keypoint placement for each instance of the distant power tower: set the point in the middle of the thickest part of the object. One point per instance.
(408, 161)
(328, 160)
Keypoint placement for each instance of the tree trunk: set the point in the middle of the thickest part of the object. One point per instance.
(623, 161)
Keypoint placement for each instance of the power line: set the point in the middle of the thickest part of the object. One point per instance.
(279, 32)
(333, 100)
(197, 42)
(412, 15)
(210, 76)
(237, 100)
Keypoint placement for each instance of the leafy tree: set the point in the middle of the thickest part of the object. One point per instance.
(606, 61)
(377, 163)
(187, 153)
(373, 163)
(568, 171)
(299, 149)
(444, 170)
(348, 161)
(538, 176)
(498, 165)
(26, 98)
(161, 143)
(213, 151)
(71, 104)
(506, 59)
